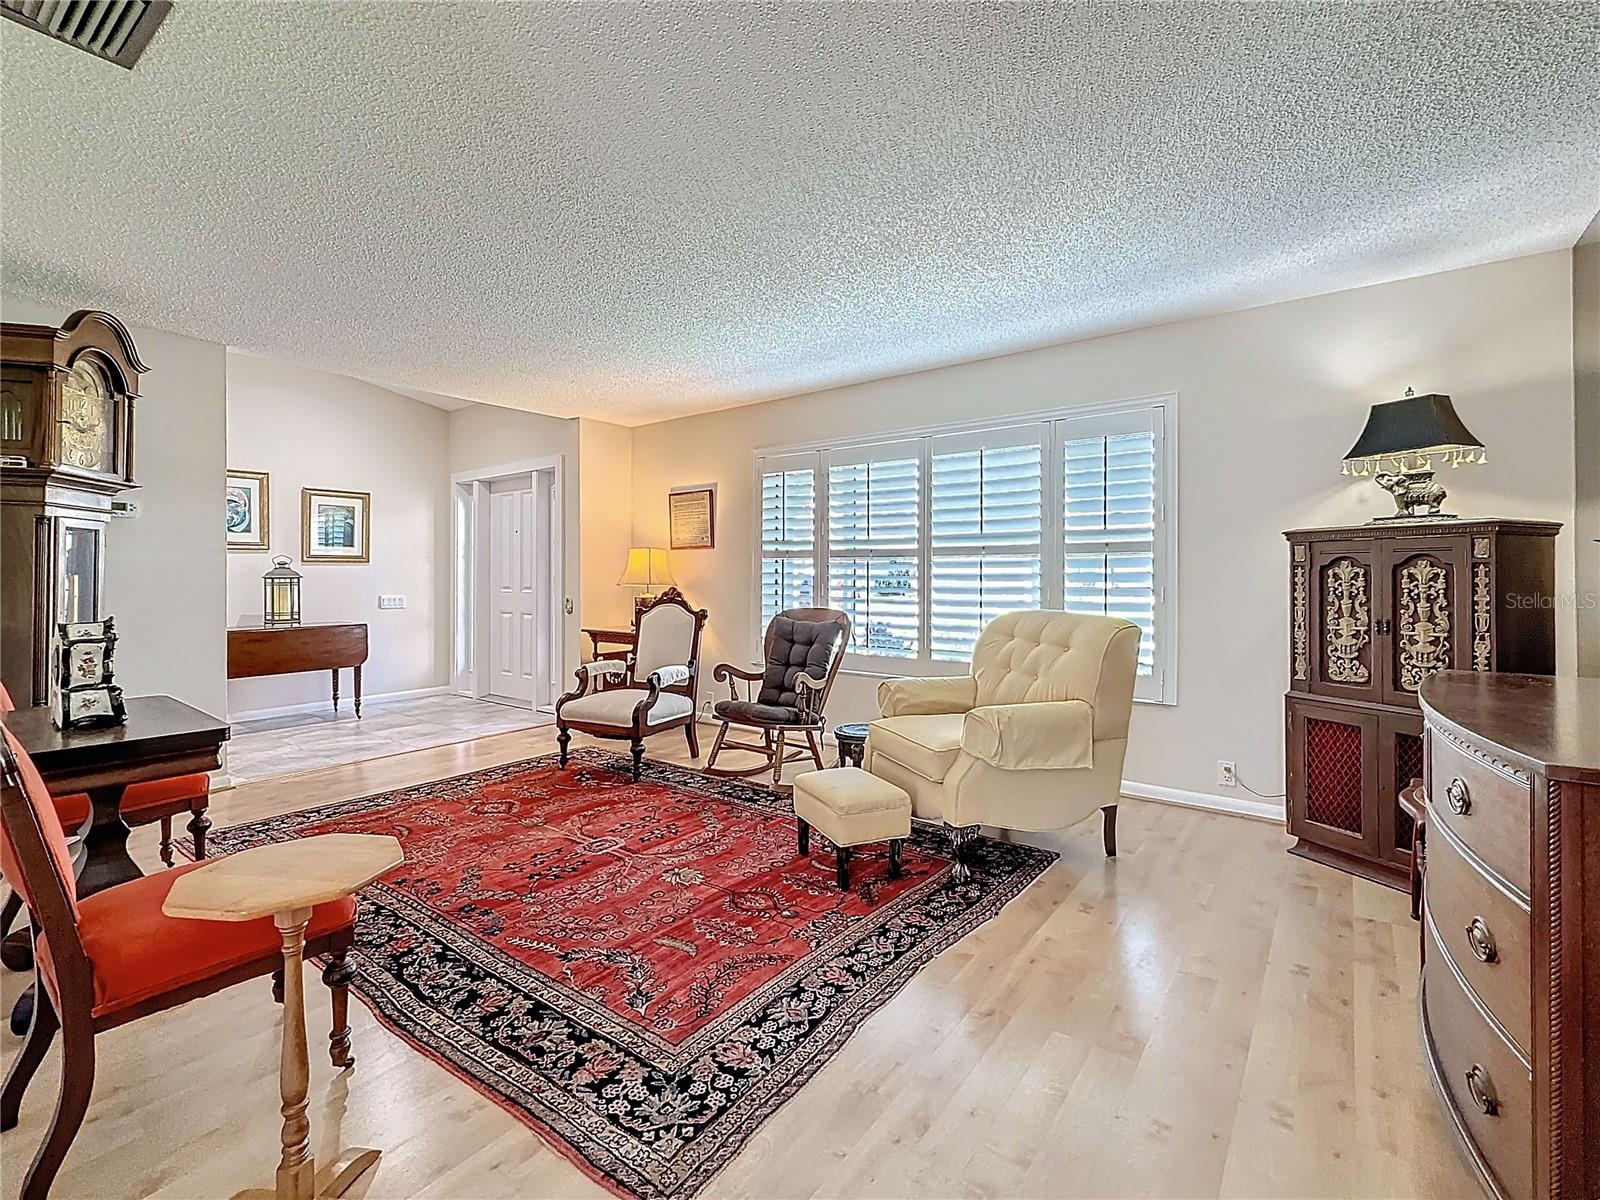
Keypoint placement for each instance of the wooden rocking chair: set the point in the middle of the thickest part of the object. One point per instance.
(803, 650)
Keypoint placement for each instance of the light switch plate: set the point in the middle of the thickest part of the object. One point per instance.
(391, 601)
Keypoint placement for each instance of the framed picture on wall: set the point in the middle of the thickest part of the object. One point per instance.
(334, 526)
(692, 519)
(249, 499)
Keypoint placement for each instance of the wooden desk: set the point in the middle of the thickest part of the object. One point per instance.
(162, 737)
(289, 649)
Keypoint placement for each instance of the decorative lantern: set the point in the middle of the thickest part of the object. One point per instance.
(280, 594)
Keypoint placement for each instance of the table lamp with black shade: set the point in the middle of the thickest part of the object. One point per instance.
(1404, 441)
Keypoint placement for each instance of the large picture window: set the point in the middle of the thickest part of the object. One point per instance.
(923, 540)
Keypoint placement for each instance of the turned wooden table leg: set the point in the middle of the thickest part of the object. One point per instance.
(296, 1170)
(335, 673)
(357, 673)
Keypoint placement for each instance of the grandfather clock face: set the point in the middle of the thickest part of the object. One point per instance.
(85, 417)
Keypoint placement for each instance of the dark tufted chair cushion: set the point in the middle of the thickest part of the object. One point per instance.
(796, 647)
(753, 711)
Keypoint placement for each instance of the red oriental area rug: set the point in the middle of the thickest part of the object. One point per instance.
(642, 971)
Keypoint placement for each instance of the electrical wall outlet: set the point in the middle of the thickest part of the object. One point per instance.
(1227, 773)
(391, 601)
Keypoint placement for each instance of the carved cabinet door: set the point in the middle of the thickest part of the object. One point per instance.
(1427, 612)
(1346, 588)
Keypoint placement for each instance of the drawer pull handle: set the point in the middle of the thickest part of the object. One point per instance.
(1460, 801)
(1481, 941)
(1482, 1091)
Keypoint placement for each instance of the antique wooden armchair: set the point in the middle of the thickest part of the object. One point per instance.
(113, 957)
(803, 650)
(651, 692)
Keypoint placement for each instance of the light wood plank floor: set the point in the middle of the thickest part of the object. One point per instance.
(1204, 1016)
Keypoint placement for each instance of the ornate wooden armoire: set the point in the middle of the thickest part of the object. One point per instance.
(1373, 611)
(66, 448)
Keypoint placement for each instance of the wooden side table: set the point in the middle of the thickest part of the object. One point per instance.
(623, 638)
(610, 637)
(284, 880)
(256, 650)
(852, 739)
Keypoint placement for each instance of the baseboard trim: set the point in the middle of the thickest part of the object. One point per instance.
(257, 714)
(1256, 810)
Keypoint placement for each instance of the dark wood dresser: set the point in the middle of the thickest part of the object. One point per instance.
(1373, 611)
(1510, 992)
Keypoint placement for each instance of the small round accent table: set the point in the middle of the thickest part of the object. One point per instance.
(852, 739)
(284, 880)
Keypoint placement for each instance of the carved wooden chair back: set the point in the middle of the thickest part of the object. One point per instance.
(667, 634)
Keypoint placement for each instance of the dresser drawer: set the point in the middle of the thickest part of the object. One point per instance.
(1486, 933)
(1485, 1082)
(1489, 810)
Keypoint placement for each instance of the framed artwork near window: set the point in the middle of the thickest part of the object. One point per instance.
(334, 526)
(692, 519)
(249, 500)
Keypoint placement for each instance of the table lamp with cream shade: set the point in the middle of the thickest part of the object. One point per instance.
(647, 569)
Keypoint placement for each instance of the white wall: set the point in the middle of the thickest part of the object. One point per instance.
(482, 438)
(1269, 399)
(310, 428)
(165, 579)
(605, 508)
(1586, 394)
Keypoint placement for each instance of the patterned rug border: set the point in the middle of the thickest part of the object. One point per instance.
(586, 1149)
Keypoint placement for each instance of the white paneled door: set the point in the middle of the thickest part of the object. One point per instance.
(519, 592)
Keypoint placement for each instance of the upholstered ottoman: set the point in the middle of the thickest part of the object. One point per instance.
(849, 808)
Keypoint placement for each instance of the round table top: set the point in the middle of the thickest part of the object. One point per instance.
(282, 876)
(851, 731)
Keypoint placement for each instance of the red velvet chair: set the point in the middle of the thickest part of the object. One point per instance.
(114, 957)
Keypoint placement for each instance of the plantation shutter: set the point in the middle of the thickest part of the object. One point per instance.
(1111, 476)
(874, 509)
(986, 509)
(788, 535)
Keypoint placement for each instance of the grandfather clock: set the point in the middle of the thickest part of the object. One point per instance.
(66, 448)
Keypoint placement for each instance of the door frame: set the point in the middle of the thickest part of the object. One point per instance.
(469, 573)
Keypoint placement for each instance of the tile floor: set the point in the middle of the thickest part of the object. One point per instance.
(275, 746)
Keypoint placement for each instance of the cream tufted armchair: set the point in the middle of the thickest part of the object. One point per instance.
(1032, 739)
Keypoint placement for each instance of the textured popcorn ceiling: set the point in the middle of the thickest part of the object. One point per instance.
(638, 211)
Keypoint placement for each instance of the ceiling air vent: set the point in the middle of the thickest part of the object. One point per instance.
(115, 30)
